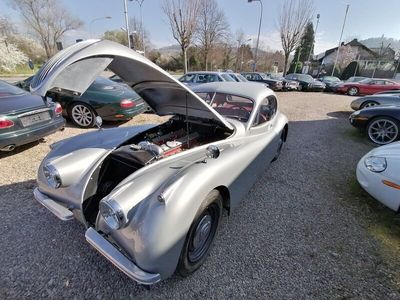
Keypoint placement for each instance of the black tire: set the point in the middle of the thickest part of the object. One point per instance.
(280, 146)
(82, 115)
(368, 104)
(353, 91)
(391, 133)
(193, 257)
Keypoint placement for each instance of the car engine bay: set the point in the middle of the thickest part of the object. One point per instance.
(167, 139)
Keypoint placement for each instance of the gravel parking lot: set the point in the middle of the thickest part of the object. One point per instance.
(305, 230)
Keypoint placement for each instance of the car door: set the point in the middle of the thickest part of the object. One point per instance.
(375, 86)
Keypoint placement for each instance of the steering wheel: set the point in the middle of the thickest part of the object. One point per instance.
(241, 108)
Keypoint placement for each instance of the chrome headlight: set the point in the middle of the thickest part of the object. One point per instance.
(52, 176)
(112, 213)
(375, 164)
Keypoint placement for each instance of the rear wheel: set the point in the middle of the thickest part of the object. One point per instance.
(201, 235)
(82, 115)
(383, 130)
(369, 104)
(352, 91)
(281, 142)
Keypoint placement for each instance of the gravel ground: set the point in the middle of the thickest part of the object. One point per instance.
(298, 234)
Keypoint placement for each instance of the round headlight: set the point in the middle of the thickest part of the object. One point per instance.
(52, 176)
(375, 164)
(112, 214)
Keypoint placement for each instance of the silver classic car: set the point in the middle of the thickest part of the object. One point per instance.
(151, 196)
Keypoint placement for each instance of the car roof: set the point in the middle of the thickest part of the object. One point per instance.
(252, 90)
(205, 72)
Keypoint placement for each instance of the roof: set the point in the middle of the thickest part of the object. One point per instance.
(205, 72)
(353, 43)
(253, 90)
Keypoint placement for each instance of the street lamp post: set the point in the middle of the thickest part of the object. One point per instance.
(140, 2)
(94, 20)
(127, 24)
(340, 41)
(259, 30)
(244, 43)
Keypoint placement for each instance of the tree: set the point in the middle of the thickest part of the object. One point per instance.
(10, 55)
(182, 17)
(305, 48)
(352, 69)
(137, 33)
(212, 27)
(47, 20)
(116, 36)
(294, 16)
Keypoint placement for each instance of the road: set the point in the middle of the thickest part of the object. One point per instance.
(305, 230)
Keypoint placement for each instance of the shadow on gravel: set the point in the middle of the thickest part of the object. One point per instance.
(339, 114)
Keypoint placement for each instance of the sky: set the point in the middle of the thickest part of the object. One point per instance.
(366, 18)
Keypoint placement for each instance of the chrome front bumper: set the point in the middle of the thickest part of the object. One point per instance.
(57, 209)
(120, 260)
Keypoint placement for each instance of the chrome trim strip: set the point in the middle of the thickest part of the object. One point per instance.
(118, 259)
(34, 112)
(61, 212)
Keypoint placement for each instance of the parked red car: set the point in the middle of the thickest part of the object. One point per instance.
(368, 86)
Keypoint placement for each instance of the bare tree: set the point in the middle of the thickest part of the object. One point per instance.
(182, 16)
(138, 34)
(6, 27)
(47, 20)
(212, 27)
(294, 16)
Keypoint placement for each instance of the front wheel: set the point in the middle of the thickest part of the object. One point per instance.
(82, 115)
(368, 104)
(383, 130)
(201, 235)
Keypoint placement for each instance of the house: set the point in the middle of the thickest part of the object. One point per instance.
(357, 49)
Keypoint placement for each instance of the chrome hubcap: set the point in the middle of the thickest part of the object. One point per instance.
(383, 131)
(369, 104)
(353, 91)
(202, 232)
(82, 115)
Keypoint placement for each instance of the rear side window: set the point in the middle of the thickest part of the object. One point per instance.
(266, 111)
(187, 78)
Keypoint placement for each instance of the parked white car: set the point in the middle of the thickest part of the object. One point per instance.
(378, 173)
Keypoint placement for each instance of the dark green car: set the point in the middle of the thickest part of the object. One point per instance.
(25, 118)
(110, 100)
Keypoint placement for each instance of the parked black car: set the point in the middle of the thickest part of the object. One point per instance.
(375, 99)
(276, 85)
(25, 118)
(306, 82)
(331, 82)
(110, 100)
(381, 123)
(288, 85)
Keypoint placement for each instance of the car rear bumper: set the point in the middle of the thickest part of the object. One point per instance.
(28, 135)
(119, 260)
(61, 212)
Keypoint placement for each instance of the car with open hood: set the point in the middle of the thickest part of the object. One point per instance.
(151, 196)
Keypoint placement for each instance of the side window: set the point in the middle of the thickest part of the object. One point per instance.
(187, 78)
(201, 78)
(257, 77)
(266, 111)
(389, 82)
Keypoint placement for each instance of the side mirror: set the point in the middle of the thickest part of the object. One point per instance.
(212, 151)
(98, 122)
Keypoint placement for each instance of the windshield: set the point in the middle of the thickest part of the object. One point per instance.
(226, 77)
(7, 90)
(303, 77)
(331, 78)
(241, 77)
(366, 80)
(263, 76)
(229, 106)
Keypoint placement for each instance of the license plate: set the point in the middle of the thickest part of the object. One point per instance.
(36, 118)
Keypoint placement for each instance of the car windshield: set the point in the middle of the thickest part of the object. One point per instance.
(230, 106)
(263, 76)
(241, 77)
(226, 77)
(331, 78)
(277, 77)
(7, 90)
(366, 80)
(303, 77)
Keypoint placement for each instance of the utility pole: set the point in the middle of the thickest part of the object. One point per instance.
(340, 40)
(315, 35)
(127, 24)
(259, 30)
(140, 2)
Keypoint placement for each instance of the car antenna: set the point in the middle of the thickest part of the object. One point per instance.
(187, 121)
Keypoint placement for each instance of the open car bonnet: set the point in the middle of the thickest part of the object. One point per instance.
(74, 69)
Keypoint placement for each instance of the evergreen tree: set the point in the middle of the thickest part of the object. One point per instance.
(306, 47)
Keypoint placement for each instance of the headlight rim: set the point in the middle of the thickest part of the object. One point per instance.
(111, 204)
(52, 175)
(372, 168)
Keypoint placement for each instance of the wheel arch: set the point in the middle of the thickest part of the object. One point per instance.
(226, 197)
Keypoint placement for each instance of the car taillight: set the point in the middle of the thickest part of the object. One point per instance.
(5, 123)
(126, 103)
(58, 109)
